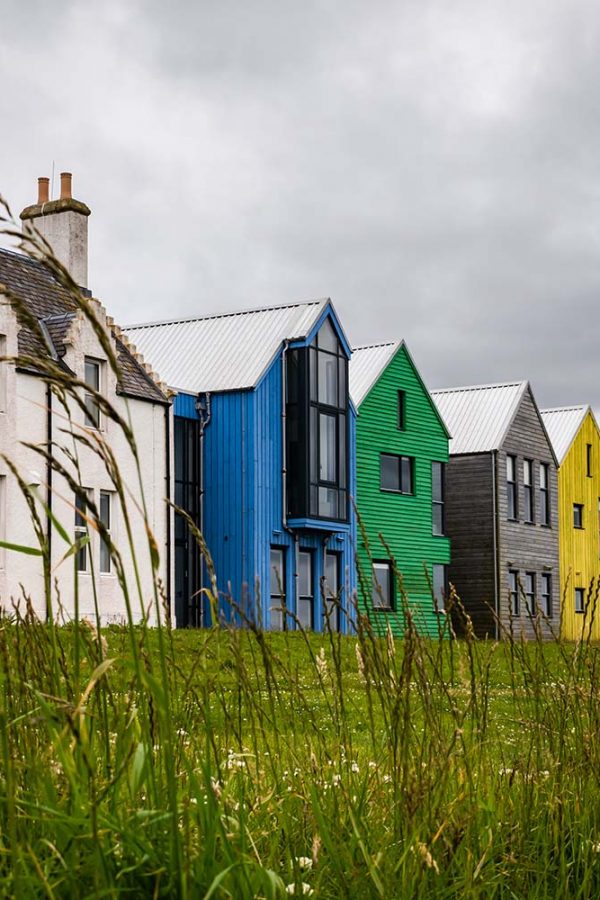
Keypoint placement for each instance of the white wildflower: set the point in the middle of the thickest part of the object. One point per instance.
(299, 890)
(355, 767)
(304, 862)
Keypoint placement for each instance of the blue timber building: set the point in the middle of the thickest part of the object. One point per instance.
(264, 462)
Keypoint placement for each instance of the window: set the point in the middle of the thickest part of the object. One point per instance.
(528, 490)
(3, 371)
(530, 593)
(440, 587)
(402, 410)
(331, 589)
(317, 428)
(382, 592)
(277, 589)
(588, 460)
(438, 485)
(305, 589)
(578, 515)
(81, 532)
(513, 592)
(397, 473)
(511, 486)
(105, 518)
(544, 494)
(579, 600)
(92, 379)
(546, 594)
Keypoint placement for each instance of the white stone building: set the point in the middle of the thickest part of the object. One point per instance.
(30, 413)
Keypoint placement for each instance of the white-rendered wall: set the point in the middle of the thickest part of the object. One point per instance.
(25, 420)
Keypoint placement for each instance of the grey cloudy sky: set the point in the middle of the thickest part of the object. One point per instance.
(434, 167)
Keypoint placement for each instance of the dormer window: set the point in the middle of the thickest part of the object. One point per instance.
(93, 369)
(317, 428)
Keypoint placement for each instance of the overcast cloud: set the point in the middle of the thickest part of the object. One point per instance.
(433, 167)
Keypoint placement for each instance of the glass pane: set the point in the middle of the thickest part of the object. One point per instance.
(439, 585)
(80, 506)
(407, 481)
(401, 409)
(313, 373)
(292, 376)
(382, 586)
(328, 505)
(436, 480)
(105, 508)
(82, 557)
(92, 411)
(276, 616)
(313, 438)
(277, 586)
(314, 500)
(511, 498)
(305, 612)
(104, 557)
(510, 468)
(328, 371)
(331, 574)
(327, 448)
(543, 476)
(390, 472)
(438, 518)
(342, 450)
(92, 374)
(342, 379)
(527, 471)
(305, 573)
(327, 338)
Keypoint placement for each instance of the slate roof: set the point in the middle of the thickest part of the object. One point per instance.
(51, 304)
(478, 417)
(562, 424)
(223, 352)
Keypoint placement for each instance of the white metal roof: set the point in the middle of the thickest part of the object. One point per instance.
(478, 416)
(366, 366)
(562, 424)
(222, 352)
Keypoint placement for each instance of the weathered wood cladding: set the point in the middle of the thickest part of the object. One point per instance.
(580, 547)
(404, 521)
(470, 525)
(528, 547)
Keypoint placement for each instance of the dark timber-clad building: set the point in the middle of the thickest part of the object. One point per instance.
(502, 509)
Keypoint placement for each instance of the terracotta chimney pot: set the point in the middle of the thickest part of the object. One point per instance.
(43, 190)
(65, 185)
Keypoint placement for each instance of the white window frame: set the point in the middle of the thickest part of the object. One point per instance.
(378, 598)
(80, 529)
(89, 399)
(110, 527)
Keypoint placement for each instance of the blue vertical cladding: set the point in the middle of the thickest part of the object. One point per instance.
(184, 405)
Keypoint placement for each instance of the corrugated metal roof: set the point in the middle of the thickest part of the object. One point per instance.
(222, 352)
(562, 424)
(478, 416)
(366, 365)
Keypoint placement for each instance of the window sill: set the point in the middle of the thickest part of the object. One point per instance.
(399, 493)
(383, 609)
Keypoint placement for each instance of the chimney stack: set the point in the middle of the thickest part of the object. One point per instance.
(64, 224)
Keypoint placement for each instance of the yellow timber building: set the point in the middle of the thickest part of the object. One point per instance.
(575, 437)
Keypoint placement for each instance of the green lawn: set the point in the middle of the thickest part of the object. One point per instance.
(235, 764)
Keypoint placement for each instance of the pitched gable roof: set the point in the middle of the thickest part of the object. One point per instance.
(52, 305)
(367, 365)
(479, 416)
(562, 424)
(224, 352)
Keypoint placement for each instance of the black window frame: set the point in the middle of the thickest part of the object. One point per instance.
(306, 410)
(514, 600)
(332, 600)
(438, 504)
(545, 508)
(401, 410)
(528, 494)
(399, 458)
(278, 609)
(378, 607)
(512, 492)
(546, 594)
(578, 516)
(303, 598)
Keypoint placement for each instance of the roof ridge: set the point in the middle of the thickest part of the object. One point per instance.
(376, 346)
(573, 408)
(479, 387)
(225, 315)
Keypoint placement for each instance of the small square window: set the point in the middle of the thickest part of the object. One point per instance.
(578, 515)
(397, 473)
(382, 592)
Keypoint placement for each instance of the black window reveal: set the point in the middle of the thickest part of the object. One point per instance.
(397, 473)
(306, 599)
(544, 494)
(317, 428)
(331, 591)
(438, 484)
(579, 600)
(511, 486)
(528, 512)
(277, 595)
(402, 410)
(578, 515)
(382, 592)
(546, 594)
(588, 460)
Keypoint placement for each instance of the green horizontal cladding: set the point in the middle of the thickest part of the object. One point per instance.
(403, 521)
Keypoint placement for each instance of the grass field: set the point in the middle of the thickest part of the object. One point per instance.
(237, 764)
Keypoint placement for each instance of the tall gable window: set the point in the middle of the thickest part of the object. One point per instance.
(544, 494)
(438, 482)
(93, 369)
(528, 490)
(511, 486)
(317, 428)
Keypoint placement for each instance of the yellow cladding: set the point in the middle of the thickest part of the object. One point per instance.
(580, 547)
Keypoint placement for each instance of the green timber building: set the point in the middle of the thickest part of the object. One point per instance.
(401, 457)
